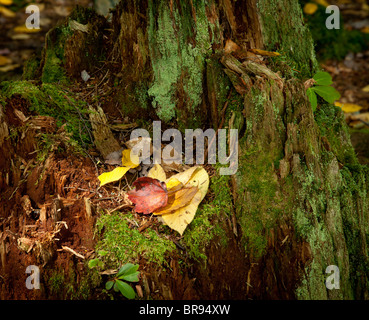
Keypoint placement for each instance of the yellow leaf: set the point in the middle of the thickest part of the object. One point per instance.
(173, 183)
(178, 200)
(310, 8)
(6, 2)
(264, 53)
(157, 172)
(6, 12)
(366, 88)
(24, 29)
(181, 218)
(112, 176)
(348, 107)
(194, 177)
(365, 29)
(4, 61)
(322, 2)
(129, 159)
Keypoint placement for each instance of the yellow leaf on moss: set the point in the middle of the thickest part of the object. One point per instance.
(6, 12)
(24, 29)
(129, 159)
(348, 107)
(112, 176)
(157, 172)
(310, 8)
(365, 29)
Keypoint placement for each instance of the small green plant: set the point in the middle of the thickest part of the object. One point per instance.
(322, 86)
(126, 273)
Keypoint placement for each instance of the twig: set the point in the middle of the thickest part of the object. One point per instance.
(72, 251)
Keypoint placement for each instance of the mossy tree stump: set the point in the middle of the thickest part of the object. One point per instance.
(299, 197)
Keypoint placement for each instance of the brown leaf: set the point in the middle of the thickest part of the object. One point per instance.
(149, 195)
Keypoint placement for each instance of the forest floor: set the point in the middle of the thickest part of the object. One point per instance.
(74, 178)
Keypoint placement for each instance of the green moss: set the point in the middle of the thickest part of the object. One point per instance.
(259, 202)
(55, 101)
(178, 63)
(123, 243)
(330, 120)
(31, 68)
(284, 33)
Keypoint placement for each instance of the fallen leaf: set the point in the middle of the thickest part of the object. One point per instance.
(9, 67)
(112, 176)
(366, 88)
(264, 53)
(365, 29)
(348, 107)
(24, 29)
(180, 219)
(149, 195)
(6, 2)
(129, 159)
(4, 61)
(323, 3)
(310, 8)
(195, 177)
(157, 172)
(177, 200)
(362, 116)
(6, 12)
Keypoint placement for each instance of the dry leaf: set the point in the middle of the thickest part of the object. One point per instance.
(6, 2)
(195, 177)
(310, 8)
(348, 107)
(112, 176)
(366, 88)
(362, 116)
(4, 61)
(6, 12)
(149, 195)
(178, 200)
(324, 3)
(157, 172)
(129, 159)
(180, 219)
(24, 29)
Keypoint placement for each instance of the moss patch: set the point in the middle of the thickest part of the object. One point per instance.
(123, 243)
(55, 101)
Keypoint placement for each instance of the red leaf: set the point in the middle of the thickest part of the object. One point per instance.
(149, 195)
